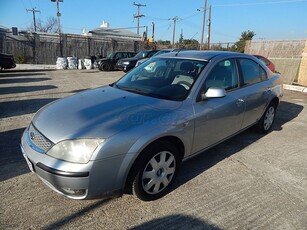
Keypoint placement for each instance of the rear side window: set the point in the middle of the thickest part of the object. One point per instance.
(251, 72)
(264, 61)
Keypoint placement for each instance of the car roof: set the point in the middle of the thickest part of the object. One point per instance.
(203, 55)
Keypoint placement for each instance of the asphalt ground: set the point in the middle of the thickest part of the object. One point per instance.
(251, 181)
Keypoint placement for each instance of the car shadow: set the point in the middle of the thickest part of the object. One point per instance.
(25, 70)
(204, 161)
(11, 160)
(25, 89)
(70, 218)
(23, 80)
(22, 107)
(21, 74)
(175, 222)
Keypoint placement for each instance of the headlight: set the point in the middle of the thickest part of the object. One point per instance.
(126, 63)
(76, 151)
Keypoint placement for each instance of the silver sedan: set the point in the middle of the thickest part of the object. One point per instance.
(131, 136)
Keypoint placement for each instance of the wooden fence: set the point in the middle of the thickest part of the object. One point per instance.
(34, 48)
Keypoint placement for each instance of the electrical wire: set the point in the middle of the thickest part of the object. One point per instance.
(260, 3)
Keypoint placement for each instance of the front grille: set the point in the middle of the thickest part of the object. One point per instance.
(38, 139)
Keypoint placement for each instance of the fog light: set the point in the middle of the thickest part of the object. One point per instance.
(73, 192)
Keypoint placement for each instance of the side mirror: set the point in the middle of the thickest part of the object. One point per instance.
(213, 92)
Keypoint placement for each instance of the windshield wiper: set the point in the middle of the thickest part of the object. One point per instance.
(134, 90)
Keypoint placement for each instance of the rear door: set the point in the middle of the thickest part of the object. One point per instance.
(255, 90)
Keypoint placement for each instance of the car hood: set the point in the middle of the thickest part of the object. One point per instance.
(103, 59)
(100, 112)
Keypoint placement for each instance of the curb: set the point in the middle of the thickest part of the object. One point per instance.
(34, 66)
(301, 89)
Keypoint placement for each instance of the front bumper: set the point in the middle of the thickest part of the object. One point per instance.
(71, 180)
(76, 181)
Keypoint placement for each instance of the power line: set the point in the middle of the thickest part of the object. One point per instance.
(261, 3)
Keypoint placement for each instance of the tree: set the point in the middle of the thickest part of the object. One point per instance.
(164, 43)
(188, 44)
(181, 38)
(50, 26)
(240, 45)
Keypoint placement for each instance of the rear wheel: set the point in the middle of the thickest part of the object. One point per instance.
(105, 66)
(266, 122)
(155, 171)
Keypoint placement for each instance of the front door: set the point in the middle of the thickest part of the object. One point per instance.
(219, 118)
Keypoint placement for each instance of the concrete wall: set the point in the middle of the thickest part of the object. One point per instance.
(45, 48)
(289, 57)
(302, 75)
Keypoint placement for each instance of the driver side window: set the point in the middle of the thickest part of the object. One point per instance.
(223, 75)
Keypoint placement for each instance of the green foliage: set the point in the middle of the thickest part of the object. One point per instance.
(181, 38)
(166, 42)
(219, 47)
(20, 57)
(188, 44)
(240, 45)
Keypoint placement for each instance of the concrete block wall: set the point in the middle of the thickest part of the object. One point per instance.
(286, 55)
(302, 75)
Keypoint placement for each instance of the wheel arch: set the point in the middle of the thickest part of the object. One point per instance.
(178, 144)
(274, 101)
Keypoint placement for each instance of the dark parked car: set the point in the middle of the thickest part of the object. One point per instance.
(131, 136)
(7, 61)
(127, 64)
(267, 62)
(163, 51)
(109, 63)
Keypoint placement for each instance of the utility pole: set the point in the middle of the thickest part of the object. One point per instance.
(153, 31)
(138, 16)
(174, 30)
(59, 24)
(203, 26)
(34, 20)
(209, 27)
(58, 14)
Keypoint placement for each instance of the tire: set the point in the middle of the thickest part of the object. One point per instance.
(155, 171)
(266, 122)
(105, 66)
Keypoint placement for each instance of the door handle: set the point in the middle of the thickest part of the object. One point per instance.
(239, 102)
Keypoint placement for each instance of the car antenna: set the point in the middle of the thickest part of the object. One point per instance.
(178, 51)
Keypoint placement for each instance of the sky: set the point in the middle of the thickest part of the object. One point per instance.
(269, 19)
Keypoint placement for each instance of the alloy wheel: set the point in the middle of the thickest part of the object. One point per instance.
(158, 172)
(269, 118)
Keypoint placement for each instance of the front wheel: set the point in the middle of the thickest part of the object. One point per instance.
(266, 122)
(156, 171)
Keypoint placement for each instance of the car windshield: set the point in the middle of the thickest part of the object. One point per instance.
(161, 52)
(166, 78)
(142, 54)
(110, 56)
